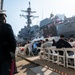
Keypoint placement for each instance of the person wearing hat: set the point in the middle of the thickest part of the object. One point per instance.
(7, 46)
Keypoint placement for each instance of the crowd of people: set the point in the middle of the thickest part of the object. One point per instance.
(31, 47)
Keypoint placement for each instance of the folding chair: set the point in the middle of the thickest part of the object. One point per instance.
(30, 50)
(55, 55)
(52, 54)
(70, 57)
(41, 53)
(61, 56)
(46, 53)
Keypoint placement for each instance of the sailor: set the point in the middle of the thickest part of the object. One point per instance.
(7, 46)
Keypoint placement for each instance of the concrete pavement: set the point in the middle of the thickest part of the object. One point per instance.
(23, 68)
(27, 68)
(51, 66)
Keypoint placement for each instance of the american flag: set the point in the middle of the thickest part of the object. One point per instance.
(58, 20)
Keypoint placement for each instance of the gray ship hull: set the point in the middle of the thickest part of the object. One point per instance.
(67, 29)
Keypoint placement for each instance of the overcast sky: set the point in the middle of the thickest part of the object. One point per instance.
(42, 7)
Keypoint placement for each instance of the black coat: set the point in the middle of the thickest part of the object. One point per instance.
(7, 42)
(62, 43)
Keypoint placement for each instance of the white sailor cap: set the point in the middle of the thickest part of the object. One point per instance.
(3, 12)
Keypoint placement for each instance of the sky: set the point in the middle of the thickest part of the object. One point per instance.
(43, 9)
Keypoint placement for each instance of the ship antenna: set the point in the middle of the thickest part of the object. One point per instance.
(42, 13)
(29, 4)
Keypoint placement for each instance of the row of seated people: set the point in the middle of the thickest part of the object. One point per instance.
(31, 48)
(61, 43)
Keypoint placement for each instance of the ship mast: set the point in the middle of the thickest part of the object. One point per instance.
(28, 16)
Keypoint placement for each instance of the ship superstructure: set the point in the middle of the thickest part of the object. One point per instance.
(67, 28)
(26, 32)
(58, 25)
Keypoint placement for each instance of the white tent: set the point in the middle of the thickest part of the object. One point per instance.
(42, 38)
(56, 38)
(37, 39)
